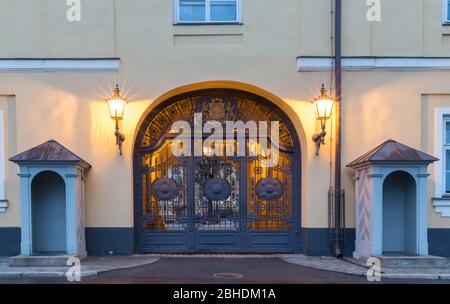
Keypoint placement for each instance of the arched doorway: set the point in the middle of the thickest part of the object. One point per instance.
(399, 214)
(220, 203)
(48, 201)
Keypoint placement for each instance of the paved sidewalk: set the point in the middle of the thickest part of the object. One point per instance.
(356, 267)
(91, 266)
(326, 263)
(413, 273)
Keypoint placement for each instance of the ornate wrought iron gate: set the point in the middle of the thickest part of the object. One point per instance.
(215, 204)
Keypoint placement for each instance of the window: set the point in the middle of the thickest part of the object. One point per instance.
(447, 153)
(207, 11)
(446, 11)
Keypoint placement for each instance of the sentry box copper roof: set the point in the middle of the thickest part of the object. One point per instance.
(392, 151)
(50, 151)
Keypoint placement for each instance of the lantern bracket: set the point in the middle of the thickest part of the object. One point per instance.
(120, 137)
(116, 105)
(324, 107)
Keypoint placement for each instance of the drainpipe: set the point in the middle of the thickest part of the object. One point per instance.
(338, 139)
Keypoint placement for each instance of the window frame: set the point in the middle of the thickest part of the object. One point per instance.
(445, 148)
(208, 14)
(446, 12)
(441, 115)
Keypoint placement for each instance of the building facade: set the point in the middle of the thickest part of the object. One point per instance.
(230, 59)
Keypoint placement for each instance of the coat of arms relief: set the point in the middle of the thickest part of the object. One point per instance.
(218, 109)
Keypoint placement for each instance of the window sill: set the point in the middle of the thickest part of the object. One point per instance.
(206, 23)
(207, 29)
(442, 205)
(446, 30)
(3, 206)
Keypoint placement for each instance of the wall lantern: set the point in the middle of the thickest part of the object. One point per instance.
(116, 105)
(324, 107)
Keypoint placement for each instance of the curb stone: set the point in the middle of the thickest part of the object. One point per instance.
(46, 274)
(444, 276)
(407, 276)
(358, 274)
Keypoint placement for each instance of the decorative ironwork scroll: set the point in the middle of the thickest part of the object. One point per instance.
(214, 106)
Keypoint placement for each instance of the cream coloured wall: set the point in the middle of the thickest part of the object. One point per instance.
(430, 103)
(157, 57)
(39, 29)
(8, 107)
(382, 105)
(407, 28)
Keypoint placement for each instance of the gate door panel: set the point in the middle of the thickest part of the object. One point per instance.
(269, 211)
(165, 214)
(217, 210)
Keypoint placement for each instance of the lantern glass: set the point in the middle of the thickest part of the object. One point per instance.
(116, 108)
(324, 108)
